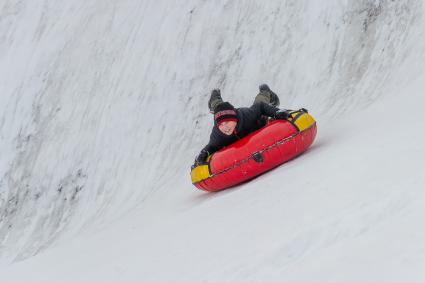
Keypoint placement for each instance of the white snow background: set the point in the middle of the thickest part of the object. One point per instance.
(103, 107)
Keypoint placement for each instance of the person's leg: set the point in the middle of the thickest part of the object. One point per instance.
(215, 99)
(267, 96)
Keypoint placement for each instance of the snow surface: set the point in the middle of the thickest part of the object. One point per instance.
(103, 107)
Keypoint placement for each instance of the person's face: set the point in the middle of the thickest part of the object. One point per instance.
(227, 127)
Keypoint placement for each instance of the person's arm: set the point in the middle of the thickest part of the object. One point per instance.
(210, 148)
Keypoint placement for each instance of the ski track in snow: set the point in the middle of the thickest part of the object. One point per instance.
(103, 107)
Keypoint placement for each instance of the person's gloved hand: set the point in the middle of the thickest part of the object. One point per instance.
(282, 114)
(201, 158)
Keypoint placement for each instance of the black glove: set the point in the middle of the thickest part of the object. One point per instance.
(201, 158)
(282, 114)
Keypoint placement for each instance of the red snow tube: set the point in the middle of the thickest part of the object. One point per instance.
(260, 151)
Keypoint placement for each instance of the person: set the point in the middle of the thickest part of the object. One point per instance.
(231, 124)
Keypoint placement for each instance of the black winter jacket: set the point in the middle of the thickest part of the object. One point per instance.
(249, 120)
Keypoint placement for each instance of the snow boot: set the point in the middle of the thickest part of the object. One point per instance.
(267, 95)
(215, 99)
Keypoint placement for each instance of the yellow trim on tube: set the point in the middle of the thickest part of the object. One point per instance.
(199, 173)
(303, 122)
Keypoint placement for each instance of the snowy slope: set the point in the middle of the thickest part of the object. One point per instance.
(103, 107)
